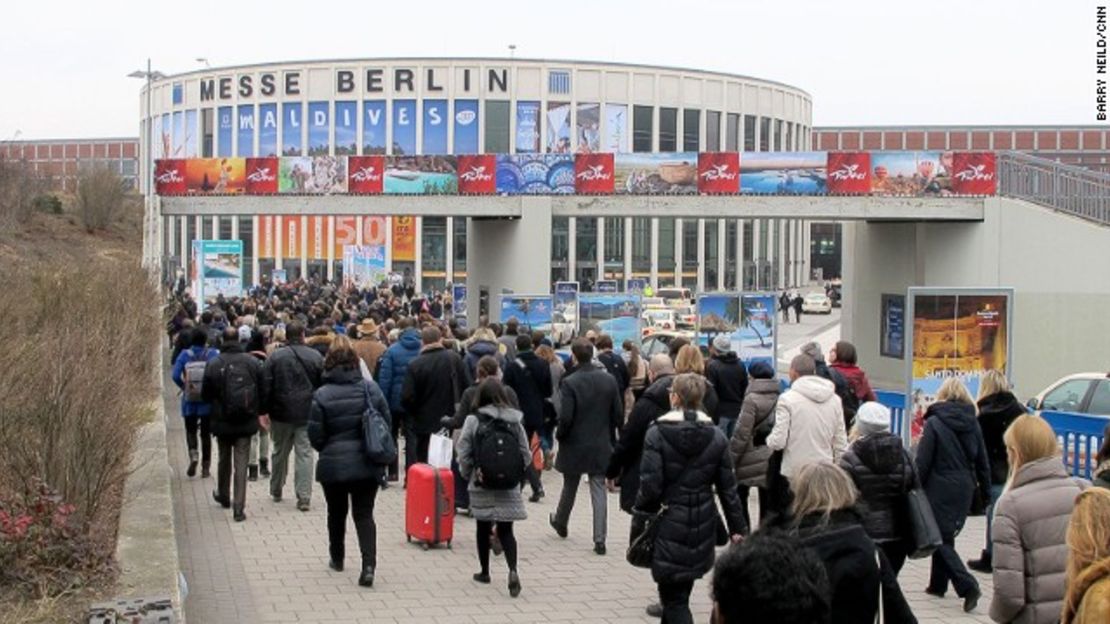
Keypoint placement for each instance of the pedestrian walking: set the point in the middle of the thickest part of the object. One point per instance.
(1087, 600)
(729, 379)
(393, 369)
(748, 444)
(433, 385)
(530, 377)
(195, 411)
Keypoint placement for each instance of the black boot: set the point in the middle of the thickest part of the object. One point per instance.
(238, 514)
(264, 467)
(982, 564)
(193, 457)
(205, 464)
(252, 473)
(366, 578)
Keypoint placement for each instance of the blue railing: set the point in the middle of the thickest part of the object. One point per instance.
(896, 402)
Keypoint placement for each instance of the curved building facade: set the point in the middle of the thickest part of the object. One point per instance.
(427, 106)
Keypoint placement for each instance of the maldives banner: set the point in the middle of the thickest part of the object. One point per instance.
(262, 175)
(535, 174)
(974, 173)
(849, 173)
(719, 173)
(215, 176)
(404, 239)
(593, 174)
(365, 174)
(477, 174)
(420, 175)
(169, 176)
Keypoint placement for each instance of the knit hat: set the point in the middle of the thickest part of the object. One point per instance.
(761, 370)
(813, 350)
(872, 417)
(722, 344)
(244, 333)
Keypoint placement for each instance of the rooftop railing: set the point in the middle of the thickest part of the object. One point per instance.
(1067, 188)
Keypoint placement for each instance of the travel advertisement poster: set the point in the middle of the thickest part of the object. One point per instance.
(892, 338)
(656, 174)
(606, 286)
(617, 315)
(458, 303)
(216, 176)
(217, 268)
(420, 175)
(566, 301)
(533, 312)
(527, 127)
(758, 329)
(783, 173)
(558, 127)
(312, 175)
(587, 126)
(911, 173)
(363, 265)
(535, 174)
(718, 313)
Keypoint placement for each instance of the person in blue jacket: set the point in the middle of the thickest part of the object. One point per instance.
(391, 378)
(195, 413)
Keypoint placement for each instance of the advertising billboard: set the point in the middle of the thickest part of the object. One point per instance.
(587, 128)
(346, 128)
(532, 311)
(290, 229)
(317, 238)
(910, 173)
(477, 174)
(458, 303)
(363, 265)
(244, 118)
(291, 113)
(169, 176)
(616, 129)
(758, 329)
(435, 126)
(215, 176)
(617, 315)
(366, 175)
(217, 268)
(606, 286)
(404, 239)
(566, 306)
(635, 285)
(718, 313)
(420, 175)
(224, 128)
(527, 127)
(404, 127)
(719, 173)
(538, 174)
(892, 334)
(373, 127)
(957, 332)
(319, 128)
(783, 173)
(267, 130)
(656, 174)
(267, 236)
(849, 173)
(593, 174)
(558, 127)
(974, 173)
(466, 127)
(312, 175)
(262, 176)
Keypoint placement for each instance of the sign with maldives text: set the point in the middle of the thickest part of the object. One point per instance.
(719, 173)
(849, 173)
(477, 174)
(974, 173)
(593, 174)
(262, 176)
(366, 174)
(169, 176)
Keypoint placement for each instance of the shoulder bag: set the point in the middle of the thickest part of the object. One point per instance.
(377, 439)
(924, 535)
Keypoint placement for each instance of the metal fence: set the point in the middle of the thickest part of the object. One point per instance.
(1074, 190)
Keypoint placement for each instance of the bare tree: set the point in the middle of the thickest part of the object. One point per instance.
(100, 195)
(19, 185)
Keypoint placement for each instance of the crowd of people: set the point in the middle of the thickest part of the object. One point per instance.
(684, 437)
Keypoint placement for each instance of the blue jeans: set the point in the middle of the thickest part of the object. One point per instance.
(996, 492)
(726, 425)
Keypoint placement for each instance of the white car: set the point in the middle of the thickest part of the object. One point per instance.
(817, 303)
(1081, 393)
(659, 318)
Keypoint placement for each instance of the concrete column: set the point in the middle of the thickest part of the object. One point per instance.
(600, 248)
(740, 254)
(782, 254)
(678, 249)
(256, 245)
(171, 232)
(388, 241)
(722, 249)
(279, 242)
(449, 261)
(215, 227)
(701, 255)
(627, 247)
(329, 244)
(807, 251)
(756, 227)
(654, 252)
(183, 242)
(304, 244)
(572, 250)
(234, 227)
(418, 257)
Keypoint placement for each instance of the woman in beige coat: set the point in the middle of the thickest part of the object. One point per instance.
(1030, 527)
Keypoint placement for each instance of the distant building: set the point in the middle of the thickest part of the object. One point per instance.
(62, 160)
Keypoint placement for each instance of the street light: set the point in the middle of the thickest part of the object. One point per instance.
(150, 222)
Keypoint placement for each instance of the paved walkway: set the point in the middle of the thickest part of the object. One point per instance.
(273, 567)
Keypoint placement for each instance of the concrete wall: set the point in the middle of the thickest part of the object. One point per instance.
(509, 253)
(1058, 266)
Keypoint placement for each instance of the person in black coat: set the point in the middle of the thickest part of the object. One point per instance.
(434, 382)
(624, 465)
(349, 479)
(685, 459)
(233, 388)
(530, 378)
(613, 363)
(883, 473)
(797, 307)
(728, 377)
(951, 464)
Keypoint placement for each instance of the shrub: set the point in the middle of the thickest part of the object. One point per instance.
(100, 194)
(19, 185)
(48, 203)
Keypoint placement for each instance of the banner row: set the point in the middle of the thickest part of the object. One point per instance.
(682, 173)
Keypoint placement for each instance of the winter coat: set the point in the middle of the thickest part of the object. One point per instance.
(617, 368)
(952, 462)
(370, 350)
(749, 460)
(1030, 551)
(492, 505)
(320, 343)
(684, 460)
(883, 473)
(530, 377)
(290, 376)
(729, 378)
(478, 350)
(335, 426)
(855, 376)
(624, 465)
(557, 372)
(213, 393)
(394, 366)
(850, 556)
(433, 385)
(996, 413)
(191, 408)
(590, 415)
(1101, 475)
(809, 425)
(509, 343)
(468, 404)
(1091, 591)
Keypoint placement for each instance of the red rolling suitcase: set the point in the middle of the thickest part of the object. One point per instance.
(429, 505)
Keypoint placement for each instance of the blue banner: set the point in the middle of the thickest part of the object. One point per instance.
(292, 113)
(606, 286)
(758, 334)
(224, 127)
(435, 127)
(617, 315)
(373, 127)
(245, 121)
(458, 302)
(527, 127)
(466, 127)
(346, 129)
(319, 130)
(267, 130)
(535, 174)
(635, 285)
(178, 135)
(532, 311)
(783, 173)
(404, 127)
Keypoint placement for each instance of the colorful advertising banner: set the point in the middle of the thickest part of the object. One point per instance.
(317, 238)
(910, 173)
(892, 335)
(616, 129)
(527, 127)
(435, 126)
(346, 234)
(373, 127)
(366, 174)
(477, 174)
(587, 128)
(420, 175)
(374, 230)
(718, 313)
(169, 176)
(558, 127)
(458, 303)
(262, 176)
(656, 174)
(758, 329)
(617, 315)
(279, 276)
(539, 174)
(958, 332)
(719, 173)
(404, 239)
(217, 268)
(849, 173)
(566, 308)
(268, 235)
(606, 286)
(291, 113)
(635, 285)
(346, 129)
(466, 126)
(319, 129)
(312, 175)
(404, 127)
(215, 176)
(223, 131)
(783, 173)
(290, 229)
(363, 265)
(267, 130)
(593, 174)
(245, 120)
(532, 311)
(974, 173)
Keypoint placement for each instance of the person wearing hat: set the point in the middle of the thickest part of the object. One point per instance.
(727, 375)
(369, 345)
(244, 334)
(883, 473)
(748, 443)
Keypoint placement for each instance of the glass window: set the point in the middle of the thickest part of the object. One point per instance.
(585, 239)
(749, 249)
(690, 242)
(749, 133)
(764, 134)
(560, 239)
(1067, 396)
(711, 254)
(641, 244)
(614, 240)
(691, 129)
(225, 227)
(460, 244)
(790, 137)
(641, 129)
(433, 244)
(668, 129)
(208, 228)
(497, 127)
(732, 132)
(778, 135)
(1100, 399)
(666, 252)
(246, 234)
(713, 131)
(206, 131)
(730, 254)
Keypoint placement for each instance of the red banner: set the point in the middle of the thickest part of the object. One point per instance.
(974, 173)
(476, 174)
(365, 174)
(262, 176)
(849, 173)
(169, 177)
(719, 173)
(593, 174)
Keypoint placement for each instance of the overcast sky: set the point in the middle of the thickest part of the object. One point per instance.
(63, 65)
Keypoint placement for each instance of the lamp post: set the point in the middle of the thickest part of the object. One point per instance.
(151, 261)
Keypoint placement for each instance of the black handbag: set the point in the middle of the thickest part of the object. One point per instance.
(641, 552)
(924, 535)
(377, 439)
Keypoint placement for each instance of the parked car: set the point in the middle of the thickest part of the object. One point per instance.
(652, 302)
(817, 303)
(675, 296)
(656, 319)
(562, 328)
(686, 317)
(660, 342)
(1081, 393)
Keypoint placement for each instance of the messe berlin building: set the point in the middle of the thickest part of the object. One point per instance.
(347, 108)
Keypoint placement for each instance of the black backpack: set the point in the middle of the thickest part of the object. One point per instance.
(497, 454)
(240, 395)
(847, 393)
